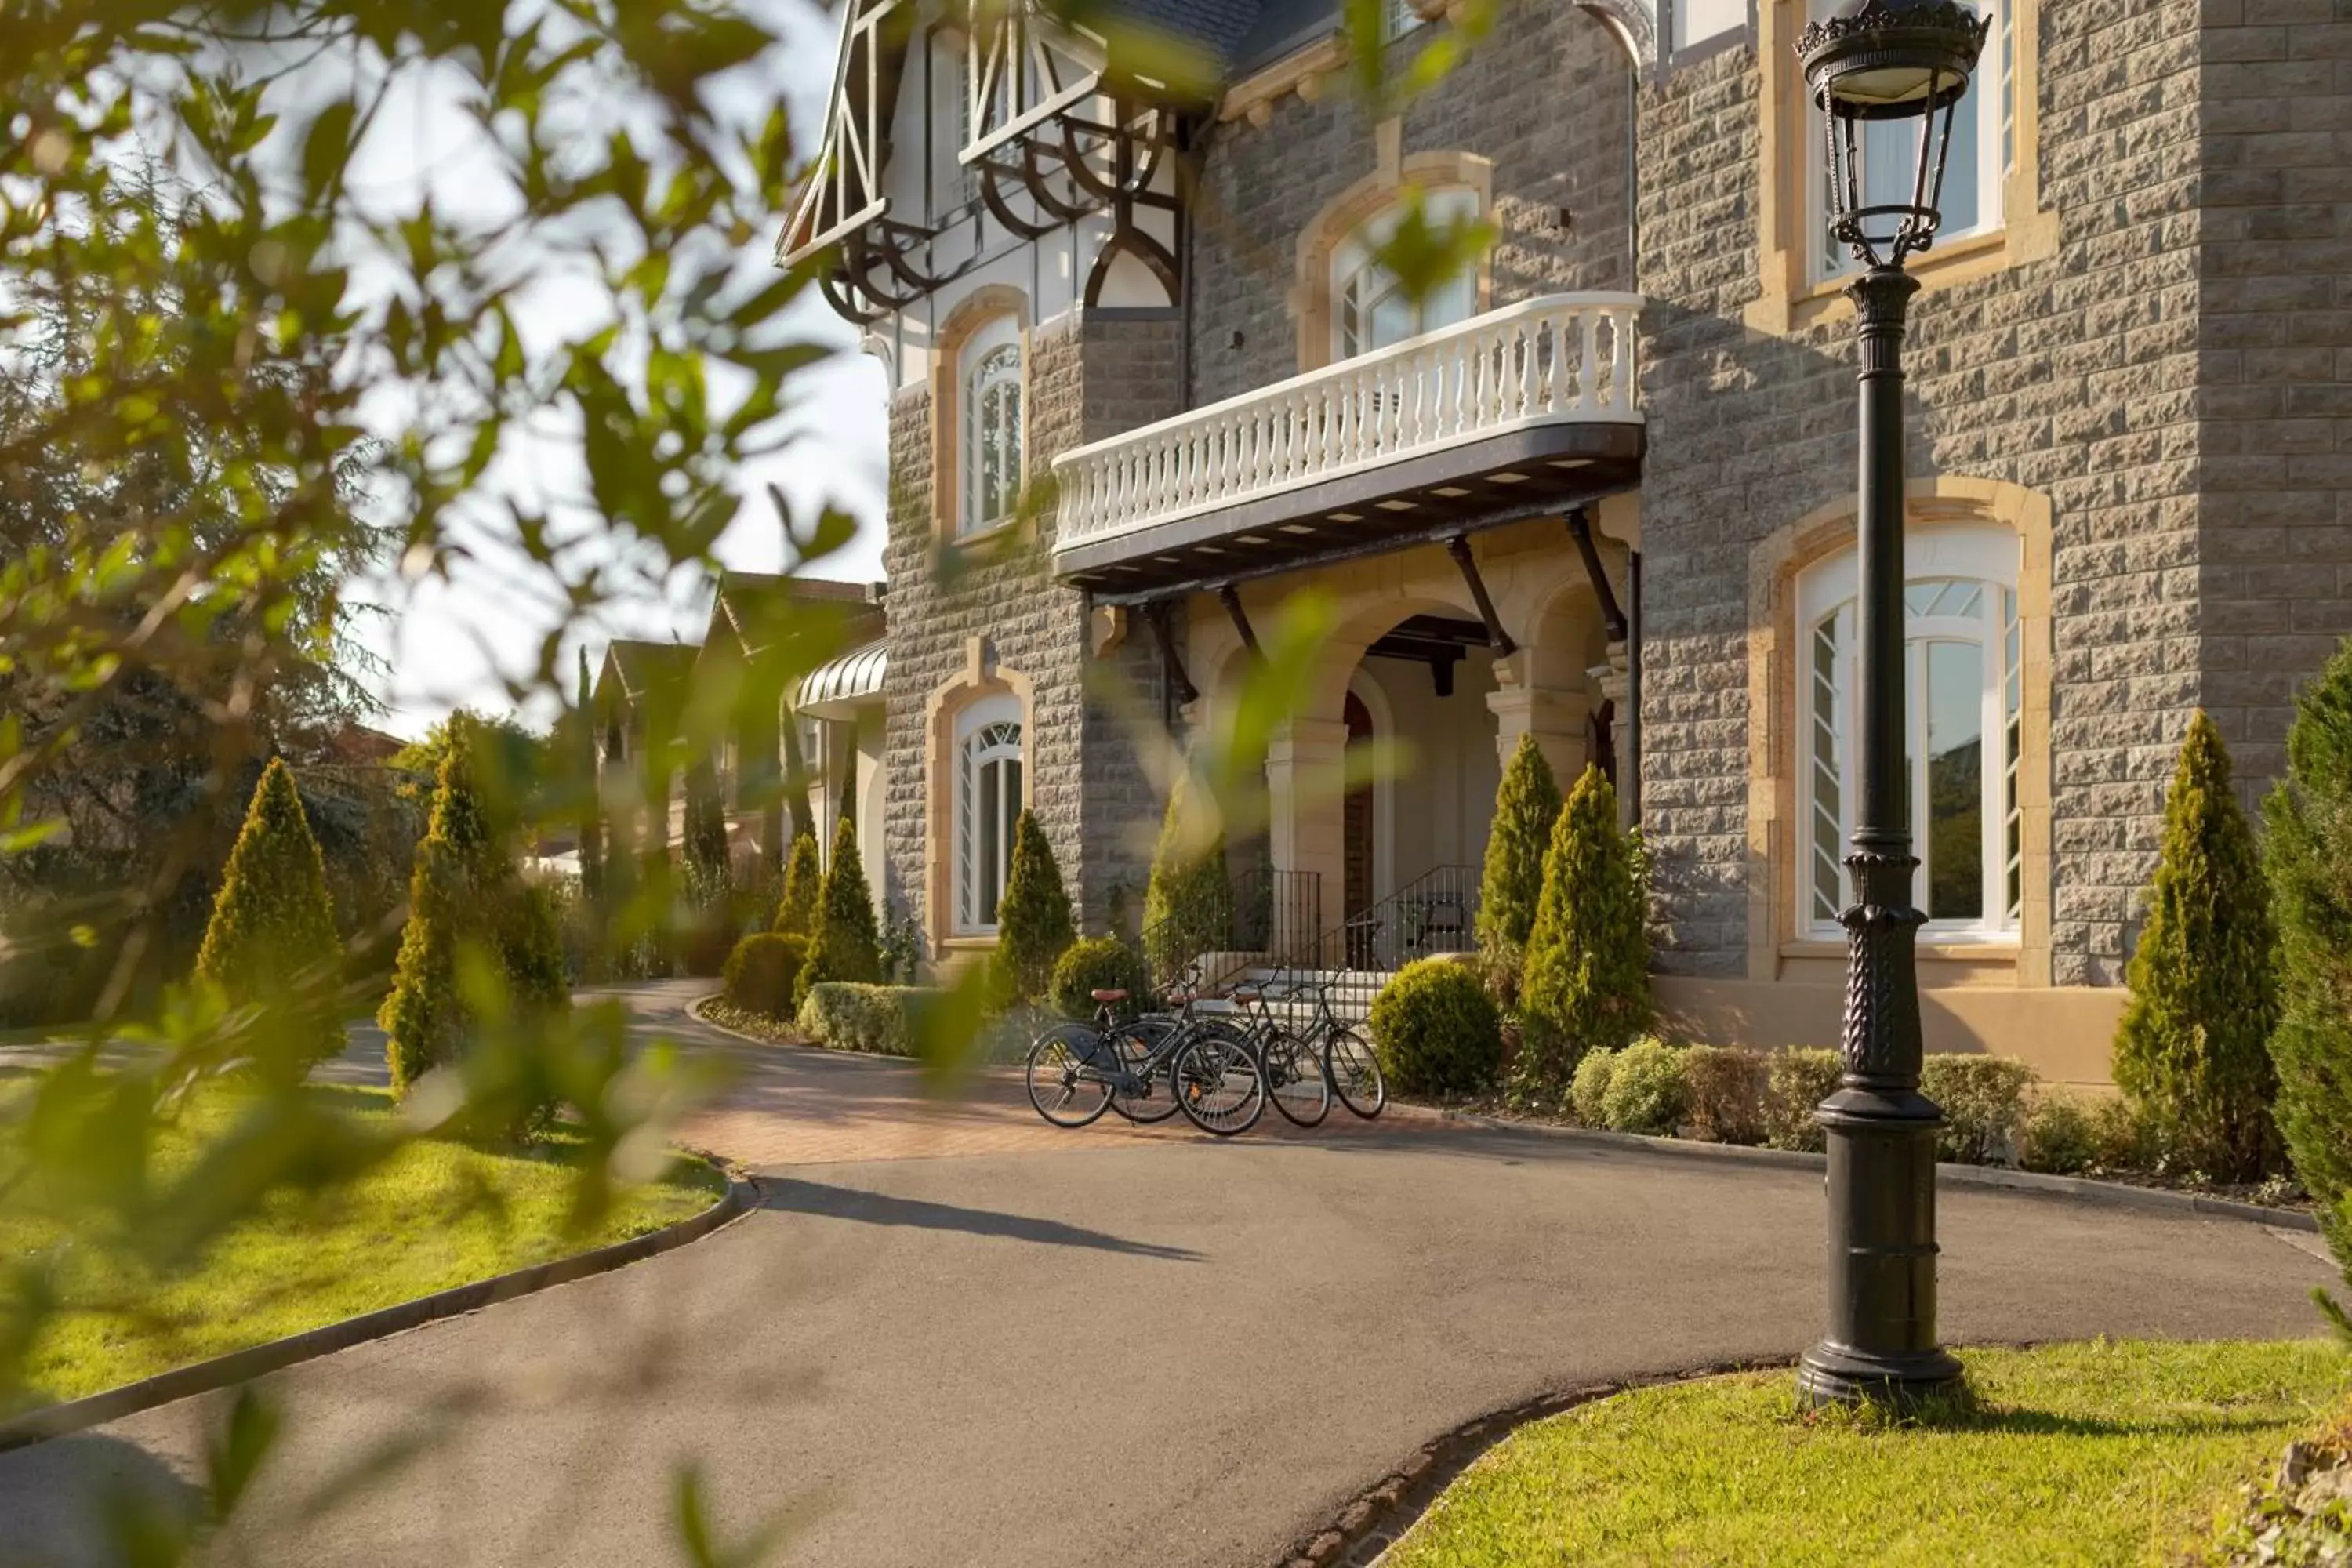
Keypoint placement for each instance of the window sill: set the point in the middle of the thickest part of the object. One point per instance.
(985, 538)
(1991, 948)
(969, 943)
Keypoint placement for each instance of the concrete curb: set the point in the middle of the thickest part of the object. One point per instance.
(2082, 1189)
(1365, 1529)
(242, 1366)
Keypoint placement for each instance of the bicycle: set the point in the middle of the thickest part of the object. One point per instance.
(1075, 1073)
(1349, 1062)
(1295, 1079)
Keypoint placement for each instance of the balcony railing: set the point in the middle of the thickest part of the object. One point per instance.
(1558, 360)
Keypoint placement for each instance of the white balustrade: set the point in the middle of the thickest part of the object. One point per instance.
(1558, 360)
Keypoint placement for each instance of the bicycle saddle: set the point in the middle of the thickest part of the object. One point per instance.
(1108, 996)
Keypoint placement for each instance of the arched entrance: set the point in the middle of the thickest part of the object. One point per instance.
(1358, 844)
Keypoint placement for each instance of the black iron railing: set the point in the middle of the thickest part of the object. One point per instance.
(1260, 917)
(1433, 914)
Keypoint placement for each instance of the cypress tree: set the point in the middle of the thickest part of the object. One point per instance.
(272, 938)
(848, 946)
(1033, 923)
(1526, 806)
(1188, 905)
(2307, 853)
(464, 892)
(2193, 1051)
(796, 910)
(1586, 982)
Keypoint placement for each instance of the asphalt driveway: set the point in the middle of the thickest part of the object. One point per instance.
(1105, 1351)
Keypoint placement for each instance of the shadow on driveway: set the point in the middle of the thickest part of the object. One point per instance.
(787, 1195)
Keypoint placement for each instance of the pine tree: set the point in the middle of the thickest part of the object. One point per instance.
(1526, 806)
(1188, 905)
(848, 946)
(2307, 854)
(2193, 1050)
(591, 810)
(464, 894)
(1033, 923)
(272, 938)
(1587, 982)
(796, 911)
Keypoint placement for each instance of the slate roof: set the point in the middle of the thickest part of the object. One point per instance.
(644, 665)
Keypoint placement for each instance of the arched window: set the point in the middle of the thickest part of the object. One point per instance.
(1963, 689)
(987, 803)
(1369, 309)
(991, 437)
(1984, 147)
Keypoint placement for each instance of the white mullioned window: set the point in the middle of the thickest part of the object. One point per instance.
(1963, 695)
(988, 800)
(1369, 309)
(1399, 17)
(992, 433)
(1984, 148)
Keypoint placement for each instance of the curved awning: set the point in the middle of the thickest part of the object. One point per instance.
(839, 689)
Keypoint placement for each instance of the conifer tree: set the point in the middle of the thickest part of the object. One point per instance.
(272, 938)
(1033, 922)
(848, 945)
(796, 910)
(591, 810)
(1188, 905)
(2307, 854)
(1526, 806)
(1586, 982)
(464, 893)
(2193, 1049)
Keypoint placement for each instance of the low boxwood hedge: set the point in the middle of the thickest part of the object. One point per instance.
(882, 1020)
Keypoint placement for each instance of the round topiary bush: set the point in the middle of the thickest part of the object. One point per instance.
(762, 970)
(1096, 964)
(1437, 1029)
(1588, 1092)
(1646, 1093)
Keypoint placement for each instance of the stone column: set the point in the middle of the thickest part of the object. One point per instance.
(1555, 718)
(1306, 774)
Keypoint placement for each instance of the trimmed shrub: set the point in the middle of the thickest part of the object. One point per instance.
(796, 910)
(1983, 1101)
(1096, 964)
(2193, 1050)
(1187, 907)
(1526, 807)
(2119, 1136)
(1799, 1079)
(1034, 924)
(882, 1020)
(2059, 1135)
(1723, 1089)
(272, 940)
(762, 971)
(1645, 1088)
(2308, 852)
(1588, 1092)
(1436, 1030)
(847, 946)
(1587, 982)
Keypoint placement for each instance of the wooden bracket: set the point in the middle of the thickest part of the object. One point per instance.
(1458, 546)
(1612, 618)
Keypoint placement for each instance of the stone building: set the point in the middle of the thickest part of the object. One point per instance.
(1597, 487)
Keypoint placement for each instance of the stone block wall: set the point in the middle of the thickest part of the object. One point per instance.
(1546, 95)
(2275, 362)
(1087, 376)
(2077, 376)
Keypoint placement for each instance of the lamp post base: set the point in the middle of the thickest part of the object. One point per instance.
(1839, 1374)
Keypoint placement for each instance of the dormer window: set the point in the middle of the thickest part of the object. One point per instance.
(1370, 308)
(991, 437)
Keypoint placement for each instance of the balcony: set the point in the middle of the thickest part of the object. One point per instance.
(1522, 412)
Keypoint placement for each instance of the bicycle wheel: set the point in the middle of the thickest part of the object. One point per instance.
(1155, 1101)
(1355, 1073)
(1295, 1082)
(1219, 1083)
(1062, 1083)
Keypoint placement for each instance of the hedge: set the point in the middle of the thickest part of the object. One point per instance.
(762, 971)
(1436, 1030)
(882, 1020)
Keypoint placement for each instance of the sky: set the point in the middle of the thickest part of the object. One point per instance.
(448, 644)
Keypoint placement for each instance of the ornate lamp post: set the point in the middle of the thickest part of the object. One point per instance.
(1907, 62)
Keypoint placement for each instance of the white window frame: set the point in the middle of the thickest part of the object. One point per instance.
(1358, 282)
(1827, 723)
(1399, 17)
(991, 386)
(1985, 122)
(988, 734)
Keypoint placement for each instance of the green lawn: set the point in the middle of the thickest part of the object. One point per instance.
(438, 1213)
(2120, 1452)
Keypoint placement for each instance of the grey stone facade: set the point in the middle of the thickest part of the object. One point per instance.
(1088, 375)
